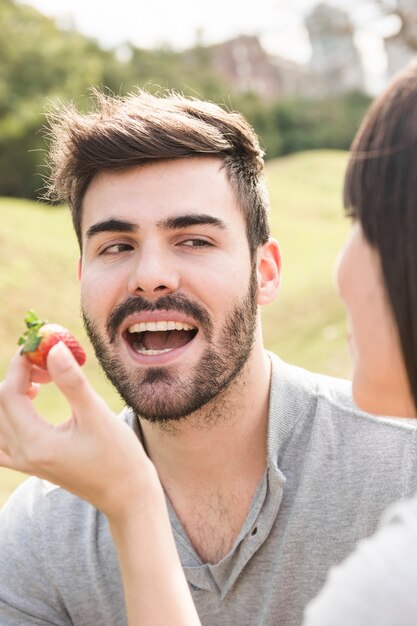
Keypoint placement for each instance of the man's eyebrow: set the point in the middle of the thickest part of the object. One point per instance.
(197, 219)
(111, 225)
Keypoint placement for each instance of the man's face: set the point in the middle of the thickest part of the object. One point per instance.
(168, 288)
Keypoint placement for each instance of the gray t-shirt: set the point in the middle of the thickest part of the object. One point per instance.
(331, 471)
(377, 584)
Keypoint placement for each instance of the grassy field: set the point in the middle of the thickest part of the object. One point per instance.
(305, 325)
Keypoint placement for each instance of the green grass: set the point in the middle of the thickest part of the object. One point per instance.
(305, 325)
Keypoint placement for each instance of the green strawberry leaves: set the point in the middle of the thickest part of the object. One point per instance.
(30, 339)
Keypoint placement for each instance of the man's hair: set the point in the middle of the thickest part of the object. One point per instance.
(381, 192)
(124, 132)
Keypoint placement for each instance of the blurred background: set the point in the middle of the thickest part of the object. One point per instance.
(302, 72)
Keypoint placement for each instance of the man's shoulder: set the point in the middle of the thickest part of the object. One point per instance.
(323, 397)
(48, 534)
(36, 498)
(292, 380)
(46, 522)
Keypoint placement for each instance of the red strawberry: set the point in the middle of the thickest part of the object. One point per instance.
(39, 338)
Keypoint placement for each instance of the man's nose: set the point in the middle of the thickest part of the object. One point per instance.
(153, 273)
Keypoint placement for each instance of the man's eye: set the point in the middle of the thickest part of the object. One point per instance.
(116, 248)
(196, 243)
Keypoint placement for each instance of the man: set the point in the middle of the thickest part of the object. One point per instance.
(270, 474)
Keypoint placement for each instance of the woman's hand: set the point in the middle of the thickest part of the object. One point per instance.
(94, 454)
(98, 457)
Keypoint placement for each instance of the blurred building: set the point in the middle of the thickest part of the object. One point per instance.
(246, 66)
(335, 67)
(401, 48)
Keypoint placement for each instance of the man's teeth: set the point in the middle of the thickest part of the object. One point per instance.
(152, 352)
(155, 326)
(165, 325)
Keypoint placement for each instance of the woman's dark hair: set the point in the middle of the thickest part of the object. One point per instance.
(381, 192)
(141, 128)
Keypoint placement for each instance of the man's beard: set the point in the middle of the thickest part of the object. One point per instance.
(160, 395)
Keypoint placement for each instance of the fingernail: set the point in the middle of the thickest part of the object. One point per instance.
(60, 355)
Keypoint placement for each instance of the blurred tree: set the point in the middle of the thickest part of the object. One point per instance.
(38, 65)
(41, 65)
(310, 124)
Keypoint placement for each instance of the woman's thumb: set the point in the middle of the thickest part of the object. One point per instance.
(67, 375)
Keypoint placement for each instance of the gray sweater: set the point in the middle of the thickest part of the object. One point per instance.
(331, 472)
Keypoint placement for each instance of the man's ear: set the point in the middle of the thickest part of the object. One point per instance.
(79, 269)
(268, 271)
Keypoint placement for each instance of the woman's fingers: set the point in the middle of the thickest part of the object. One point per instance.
(39, 375)
(69, 378)
(33, 391)
(6, 461)
(18, 377)
(16, 391)
(70, 453)
(24, 435)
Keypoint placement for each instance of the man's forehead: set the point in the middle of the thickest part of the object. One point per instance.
(163, 191)
(181, 167)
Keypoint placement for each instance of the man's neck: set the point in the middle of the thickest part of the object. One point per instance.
(227, 437)
(211, 463)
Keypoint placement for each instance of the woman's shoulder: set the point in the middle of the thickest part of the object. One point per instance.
(376, 583)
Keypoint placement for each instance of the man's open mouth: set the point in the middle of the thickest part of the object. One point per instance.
(150, 338)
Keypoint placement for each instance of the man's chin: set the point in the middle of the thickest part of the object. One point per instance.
(161, 412)
(159, 377)
(157, 398)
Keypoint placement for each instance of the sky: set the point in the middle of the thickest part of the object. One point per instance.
(150, 23)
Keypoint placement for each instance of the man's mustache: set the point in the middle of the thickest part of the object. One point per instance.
(173, 302)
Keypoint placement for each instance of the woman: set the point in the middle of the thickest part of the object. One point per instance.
(377, 279)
